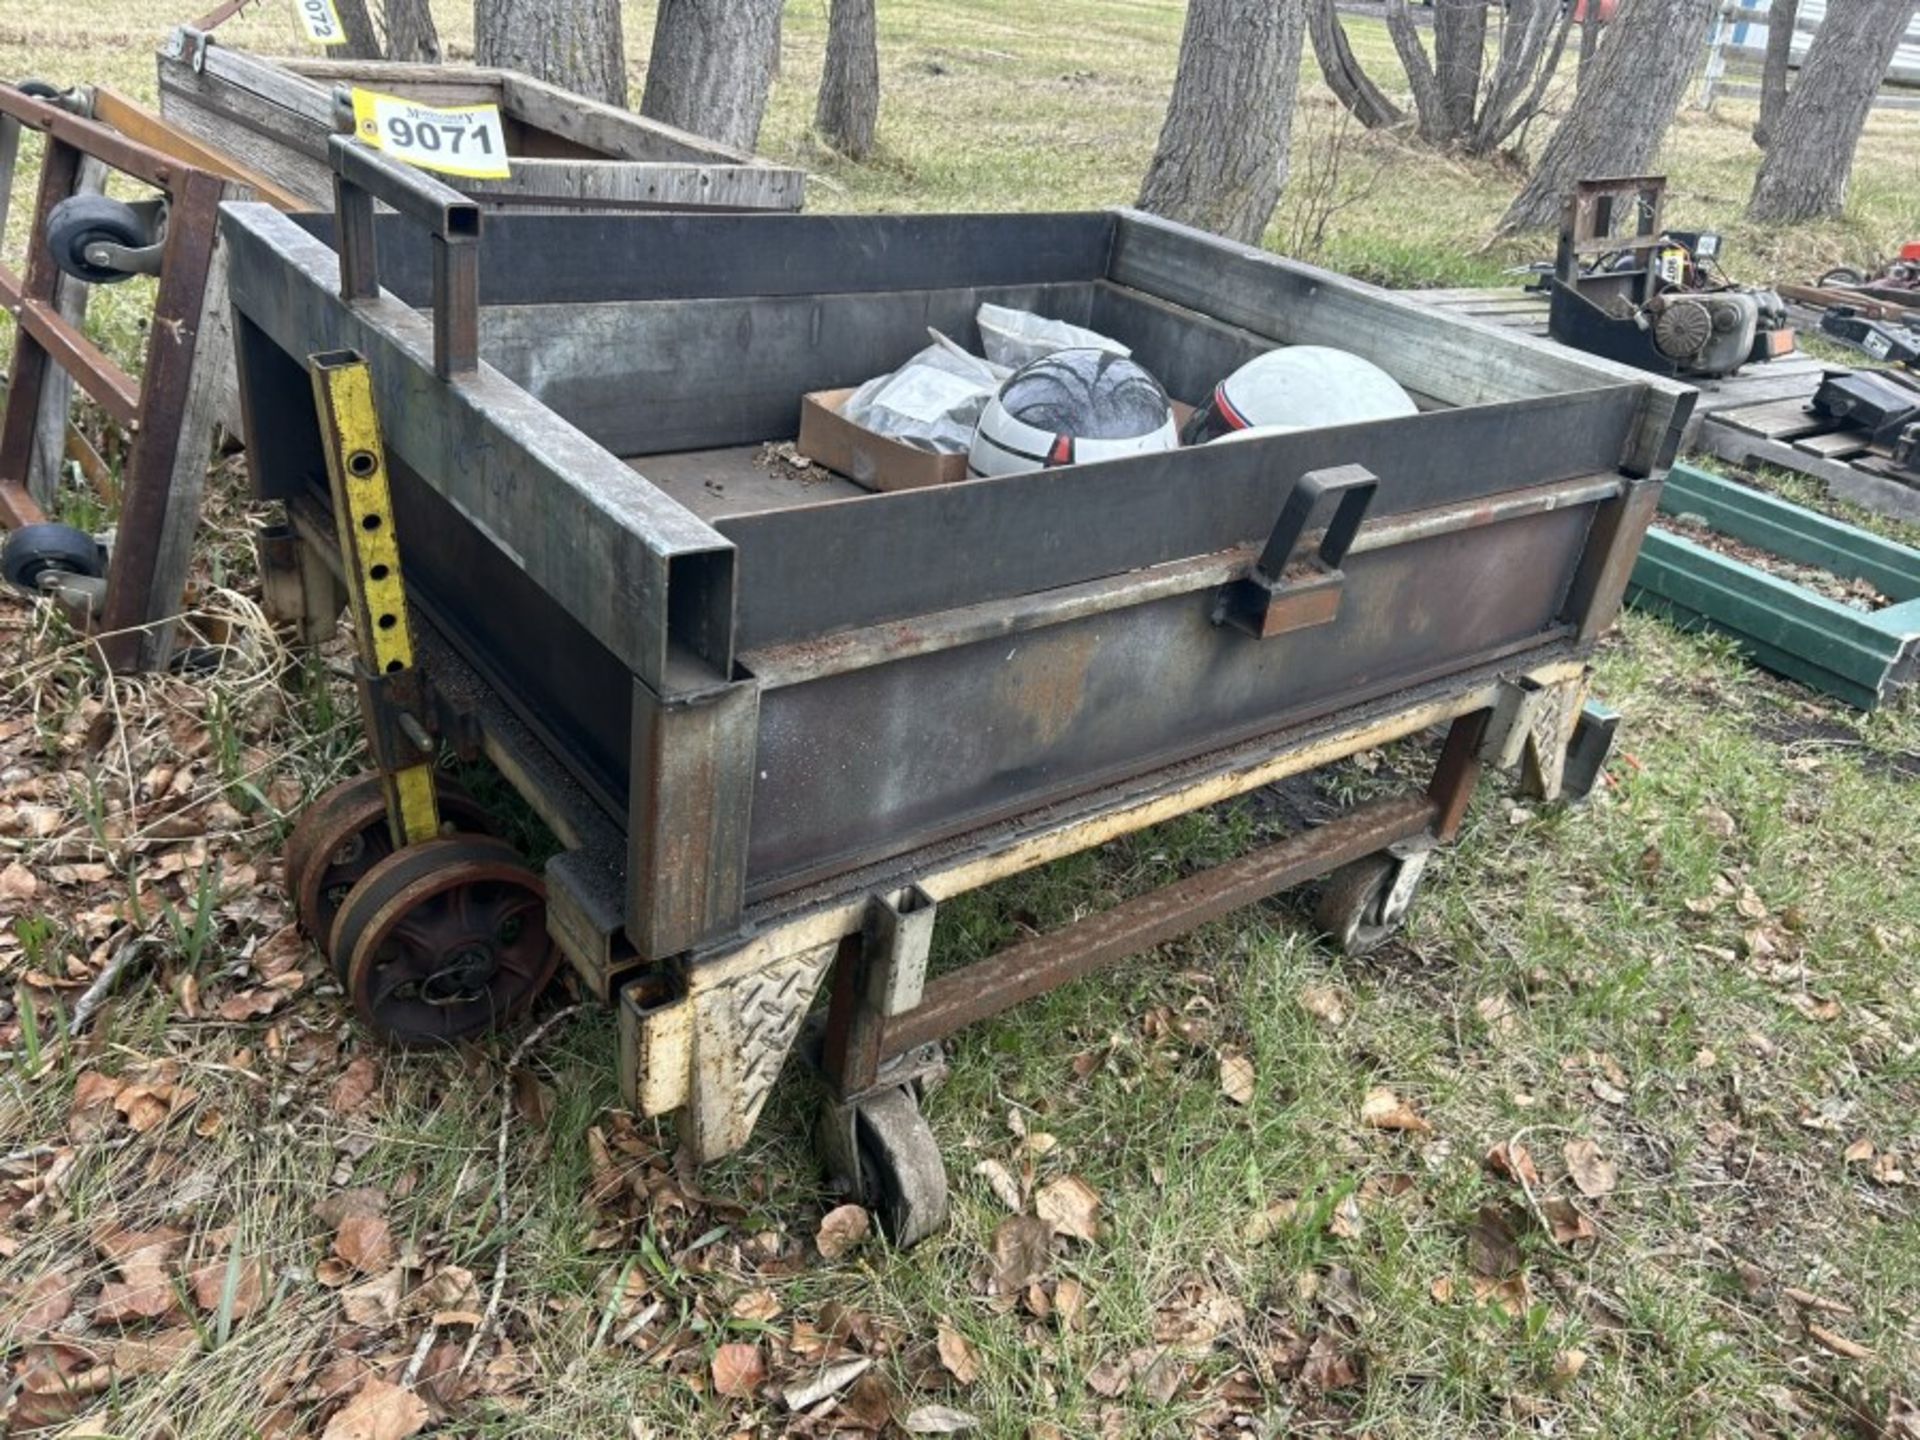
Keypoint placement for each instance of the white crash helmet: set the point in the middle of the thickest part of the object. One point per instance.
(1302, 387)
(1070, 408)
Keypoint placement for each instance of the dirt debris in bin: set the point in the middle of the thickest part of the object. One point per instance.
(1854, 594)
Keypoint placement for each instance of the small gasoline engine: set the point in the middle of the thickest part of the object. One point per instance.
(1626, 288)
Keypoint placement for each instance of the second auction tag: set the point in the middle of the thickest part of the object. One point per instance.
(455, 140)
(322, 22)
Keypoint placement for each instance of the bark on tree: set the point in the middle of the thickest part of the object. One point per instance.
(1589, 44)
(850, 85)
(1621, 115)
(1458, 105)
(574, 44)
(713, 62)
(1810, 159)
(1781, 15)
(1221, 161)
(1343, 73)
(411, 35)
(363, 41)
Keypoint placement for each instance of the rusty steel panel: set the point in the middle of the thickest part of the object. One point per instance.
(874, 760)
(1033, 967)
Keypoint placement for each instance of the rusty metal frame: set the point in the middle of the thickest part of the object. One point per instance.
(152, 411)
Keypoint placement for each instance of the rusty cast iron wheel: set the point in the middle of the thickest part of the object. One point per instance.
(342, 835)
(444, 940)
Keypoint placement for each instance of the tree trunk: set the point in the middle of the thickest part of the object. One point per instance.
(1222, 157)
(1427, 105)
(1620, 116)
(574, 44)
(363, 41)
(1589, 45)
(1810, 159)
(1459, 53)
(850, 84)
(712, 65)
(1344, 76)
(1781, 15)
(411, 35)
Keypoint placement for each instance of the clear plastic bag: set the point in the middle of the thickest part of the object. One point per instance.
(1019, 337)
(932, 402)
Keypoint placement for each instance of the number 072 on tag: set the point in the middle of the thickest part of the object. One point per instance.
(463, 140)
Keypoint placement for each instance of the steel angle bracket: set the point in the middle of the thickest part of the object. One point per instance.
(1291, 587)
(393, 697)
(1531, 730)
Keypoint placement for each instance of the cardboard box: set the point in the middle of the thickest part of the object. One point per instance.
(828, 438)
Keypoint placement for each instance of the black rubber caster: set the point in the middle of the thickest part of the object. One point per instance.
(1363, 904)
(881, 1150)
(38, 89)
(1843, 275)
(34, 552)
(80, 221)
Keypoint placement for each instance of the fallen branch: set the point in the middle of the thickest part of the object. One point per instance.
(481, 1330)
(104, 982)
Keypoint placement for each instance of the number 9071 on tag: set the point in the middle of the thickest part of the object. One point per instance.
(464, 140)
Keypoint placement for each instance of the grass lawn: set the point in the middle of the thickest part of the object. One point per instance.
(1686, 1015)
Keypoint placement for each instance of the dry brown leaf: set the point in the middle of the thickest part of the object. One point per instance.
(1000, 1180)
(738, 1370)
(365, 1242)
(1071, 1206)
(43, 1305)
(1384, 1110)
(957, 1355)
(1271, 1220)
(1111, 1377)
(1236, 1077)
(374, 1302)
(1886, 1170)
(1328, 1366)
(1513, 1161)
(1345, 1222)
(1491, 1247)
(1021, 1248)
(1610, 1093)
(842, 1228)
(1509, 1293)
(146, 1107)
(1326, 1003)
(759, 1306)
(1837, 1343)
(381, 1411)
(1858, 1153)
(1567, 1366)
(17, 884)
(1593, 1174)
(1070, 1303)
(937, 1420)
(1567, 1224)
(355, 1086)
(210, 1286)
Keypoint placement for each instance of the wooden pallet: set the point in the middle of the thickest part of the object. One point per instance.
(1759, 415)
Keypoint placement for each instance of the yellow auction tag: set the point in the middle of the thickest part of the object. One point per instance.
(322, 22)
(455, 140)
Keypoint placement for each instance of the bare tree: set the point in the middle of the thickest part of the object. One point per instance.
(411, 35)
(574, 44)
(1621, 115)
(363, 41)
(1781, 18)
(850, 84)
(1457, 105)
(1343, 72)
(712, 65)
(1590, 23)
(1222, 157)
(1810, 156)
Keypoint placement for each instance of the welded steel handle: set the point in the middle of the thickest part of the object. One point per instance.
(361, 176)
(1353, 487)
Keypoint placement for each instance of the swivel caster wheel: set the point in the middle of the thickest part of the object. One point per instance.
(1363, 904)
(443, 941)
(881, 1150)
(1842, 275)
(101, 241)
(342, 835)
(36, 555)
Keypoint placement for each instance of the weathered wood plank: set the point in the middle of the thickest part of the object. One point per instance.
(1774, 419)
(1835, 445)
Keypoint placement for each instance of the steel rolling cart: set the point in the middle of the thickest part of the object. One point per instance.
(777, 721)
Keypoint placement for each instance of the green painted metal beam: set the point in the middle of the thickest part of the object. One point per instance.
(1857, 656)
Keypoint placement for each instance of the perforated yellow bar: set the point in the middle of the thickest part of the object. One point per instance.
(370, 558)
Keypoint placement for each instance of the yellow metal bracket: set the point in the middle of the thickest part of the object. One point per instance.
(370, 559)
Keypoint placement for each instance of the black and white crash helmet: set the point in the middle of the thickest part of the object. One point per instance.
(1070, 408)
(1301, 387)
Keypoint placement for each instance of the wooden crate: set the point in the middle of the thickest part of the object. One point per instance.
(567, 152)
